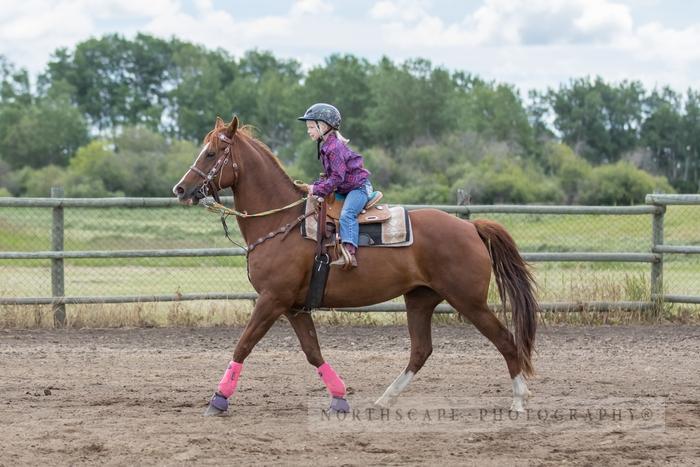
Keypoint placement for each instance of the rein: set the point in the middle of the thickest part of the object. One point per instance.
(214, 206)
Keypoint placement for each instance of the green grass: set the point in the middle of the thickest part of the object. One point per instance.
(28, 229)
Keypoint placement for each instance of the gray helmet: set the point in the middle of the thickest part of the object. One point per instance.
(324, 113)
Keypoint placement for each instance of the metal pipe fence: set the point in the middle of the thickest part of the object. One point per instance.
(135, 244)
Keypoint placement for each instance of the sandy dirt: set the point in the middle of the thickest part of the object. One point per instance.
(135, 397)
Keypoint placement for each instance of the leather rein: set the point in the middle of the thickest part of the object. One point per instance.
(209, 188)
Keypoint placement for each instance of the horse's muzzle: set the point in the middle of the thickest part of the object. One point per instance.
(190, 198)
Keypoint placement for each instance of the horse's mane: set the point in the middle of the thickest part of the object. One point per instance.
(247, 133)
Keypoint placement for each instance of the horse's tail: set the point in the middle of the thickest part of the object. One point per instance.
(516, 284)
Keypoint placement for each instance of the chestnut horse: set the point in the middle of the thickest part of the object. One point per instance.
(450, 259)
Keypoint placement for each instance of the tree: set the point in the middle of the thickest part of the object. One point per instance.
(494, 111)
(690, 124)
(205, 85)
(47, 132)
(662, 131)
(410, 102)
(115, 81)
(14, 85)
(342, 81)
(598, 120)
(138, 163)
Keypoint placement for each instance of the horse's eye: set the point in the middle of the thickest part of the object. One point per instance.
(211, 154)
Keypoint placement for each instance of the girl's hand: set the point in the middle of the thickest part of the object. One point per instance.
(306, 188)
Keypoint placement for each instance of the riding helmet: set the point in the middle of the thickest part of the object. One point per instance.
(324, 113)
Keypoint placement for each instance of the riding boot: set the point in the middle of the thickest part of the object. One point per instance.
(346, 260)
(352, 249)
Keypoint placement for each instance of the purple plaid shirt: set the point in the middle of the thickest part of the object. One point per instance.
(344, 168)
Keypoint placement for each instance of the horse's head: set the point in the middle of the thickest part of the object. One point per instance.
(214, 168)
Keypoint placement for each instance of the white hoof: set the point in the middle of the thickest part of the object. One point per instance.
(392, 393)
(520, 394)
(518, 405)
(386, 402)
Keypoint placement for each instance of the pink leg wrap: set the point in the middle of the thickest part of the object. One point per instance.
(330, 378)
(227, 385)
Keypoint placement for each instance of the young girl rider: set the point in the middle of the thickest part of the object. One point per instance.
(344, 173)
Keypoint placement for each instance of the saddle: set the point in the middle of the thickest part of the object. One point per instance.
(372, 213)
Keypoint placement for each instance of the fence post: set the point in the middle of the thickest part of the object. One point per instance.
(463, 199)
(657, 267)
(57, 272)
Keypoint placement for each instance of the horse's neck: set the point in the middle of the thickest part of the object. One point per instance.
(262, 186)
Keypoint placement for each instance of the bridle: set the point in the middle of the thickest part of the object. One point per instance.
(208, 187)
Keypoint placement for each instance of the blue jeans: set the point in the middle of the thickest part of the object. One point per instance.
(355, 201)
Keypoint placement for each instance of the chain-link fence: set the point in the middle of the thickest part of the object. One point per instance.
(553, 238)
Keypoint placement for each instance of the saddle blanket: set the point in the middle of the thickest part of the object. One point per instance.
(393, 232)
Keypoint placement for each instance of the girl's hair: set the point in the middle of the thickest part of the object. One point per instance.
(338, 135)
(342, 138)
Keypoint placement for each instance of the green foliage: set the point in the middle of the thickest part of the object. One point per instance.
(424, 131)
(411, 102)
(383, 167)
(571, 170)
(14, 84)
(621, 183)
(496, 181)
(598, 119)
(344, 82)
(139, 163)
(46, 132)
(494, 111)
(38, 182)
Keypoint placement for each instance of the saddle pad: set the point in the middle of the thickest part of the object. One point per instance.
(394, 232)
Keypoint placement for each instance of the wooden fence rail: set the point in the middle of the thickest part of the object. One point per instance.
(655, 206)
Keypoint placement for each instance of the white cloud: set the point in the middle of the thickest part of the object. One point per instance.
(131, 8)
(506, 22)
(402, 10)
(540, 22)
(655, 42)
(532, 43)
(311, 7)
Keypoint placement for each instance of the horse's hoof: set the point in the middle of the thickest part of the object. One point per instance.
(518, 405)
(385, 402)
(339, 405)
(218, 406)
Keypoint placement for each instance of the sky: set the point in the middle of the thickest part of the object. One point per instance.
(532, 44)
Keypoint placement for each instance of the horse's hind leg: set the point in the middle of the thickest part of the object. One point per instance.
(493, 329)
(303, 325)
(420, 304)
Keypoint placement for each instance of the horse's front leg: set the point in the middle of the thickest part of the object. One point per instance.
(267, 310)
(305, 330)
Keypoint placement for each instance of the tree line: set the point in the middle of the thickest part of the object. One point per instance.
(113, 107)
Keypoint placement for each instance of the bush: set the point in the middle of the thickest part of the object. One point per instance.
(621, 183)
(508, 181)
(38, 182)
(571, 169)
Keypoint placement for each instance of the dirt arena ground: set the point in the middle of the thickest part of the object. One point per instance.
(135, 397)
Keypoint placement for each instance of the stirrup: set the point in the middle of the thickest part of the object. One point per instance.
(345, 260)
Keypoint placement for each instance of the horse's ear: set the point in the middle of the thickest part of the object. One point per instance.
(232, 127)
(219, 122)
